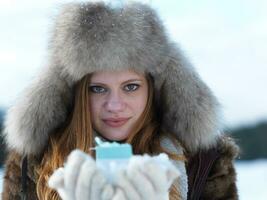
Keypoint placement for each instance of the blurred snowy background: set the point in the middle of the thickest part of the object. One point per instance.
(225, 40)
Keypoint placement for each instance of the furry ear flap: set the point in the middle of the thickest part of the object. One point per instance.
(37, 112)
(190, 110)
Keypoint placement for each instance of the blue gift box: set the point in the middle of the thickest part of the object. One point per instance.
(112, 150)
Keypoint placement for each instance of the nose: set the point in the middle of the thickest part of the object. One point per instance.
(114, 103)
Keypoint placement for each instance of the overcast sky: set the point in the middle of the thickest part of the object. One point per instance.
(225, 40)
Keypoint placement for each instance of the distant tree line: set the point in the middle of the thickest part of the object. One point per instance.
(251, 139)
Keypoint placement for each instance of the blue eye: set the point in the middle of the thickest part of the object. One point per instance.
(131, 87)
(97, 89)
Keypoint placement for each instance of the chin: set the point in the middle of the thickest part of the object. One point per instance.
(115, 137)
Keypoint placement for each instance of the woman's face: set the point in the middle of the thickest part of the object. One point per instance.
(117, 100)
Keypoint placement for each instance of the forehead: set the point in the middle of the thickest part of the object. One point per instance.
(118, 76)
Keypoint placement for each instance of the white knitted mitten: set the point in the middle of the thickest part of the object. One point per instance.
(145, 178)
(80, 179)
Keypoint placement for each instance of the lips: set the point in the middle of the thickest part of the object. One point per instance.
(115, 122)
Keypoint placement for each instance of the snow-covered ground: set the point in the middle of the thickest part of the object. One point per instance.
(252, 179)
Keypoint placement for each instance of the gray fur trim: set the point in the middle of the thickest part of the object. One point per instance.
(92, 36)
(40, 109)
(190, 110)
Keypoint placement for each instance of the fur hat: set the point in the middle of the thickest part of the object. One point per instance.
(94, 36)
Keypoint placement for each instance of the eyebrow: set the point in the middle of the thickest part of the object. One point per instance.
(132, 80)
(128, 81)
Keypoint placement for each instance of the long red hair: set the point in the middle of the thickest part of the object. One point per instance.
(77, 133)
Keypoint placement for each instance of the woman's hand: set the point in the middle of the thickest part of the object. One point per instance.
(80, 179)
(145, 178)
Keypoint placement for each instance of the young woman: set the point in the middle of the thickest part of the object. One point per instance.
(114, 73)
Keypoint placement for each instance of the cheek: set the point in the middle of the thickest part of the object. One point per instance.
(95, 106)
(139, 104)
